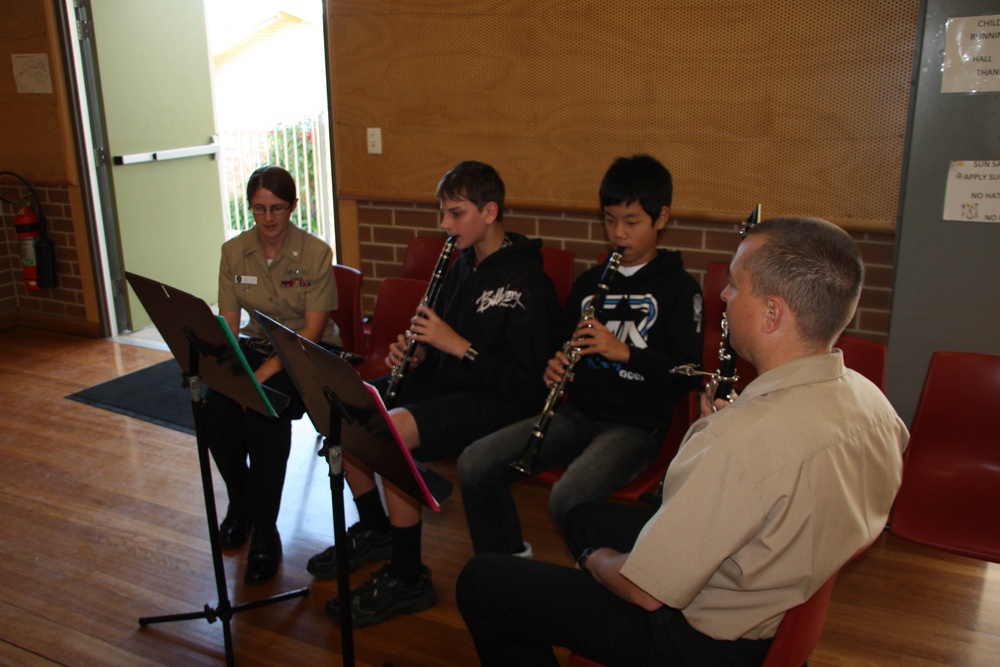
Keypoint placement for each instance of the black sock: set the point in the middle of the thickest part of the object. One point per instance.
(406, 564)
(371, 514)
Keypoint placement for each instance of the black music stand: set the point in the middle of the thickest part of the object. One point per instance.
(351, 416)
(206, 350)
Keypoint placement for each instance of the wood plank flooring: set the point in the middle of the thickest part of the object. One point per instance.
(102, 522)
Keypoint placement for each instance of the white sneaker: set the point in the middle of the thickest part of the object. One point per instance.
(526, 552)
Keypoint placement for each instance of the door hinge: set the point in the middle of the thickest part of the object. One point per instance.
(100, 157)
(83, 29)
(119, 286)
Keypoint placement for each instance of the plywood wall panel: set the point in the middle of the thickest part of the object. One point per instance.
(799, 105)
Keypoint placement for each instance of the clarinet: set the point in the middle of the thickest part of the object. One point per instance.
(721, 386)
(429, 299)
(720, 383)
(525, 463)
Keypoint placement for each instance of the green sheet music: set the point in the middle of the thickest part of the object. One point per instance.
(246, 366)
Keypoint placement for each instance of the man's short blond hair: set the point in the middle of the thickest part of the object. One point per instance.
(814, 266)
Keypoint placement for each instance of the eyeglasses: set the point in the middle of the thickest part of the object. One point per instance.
(275, 210)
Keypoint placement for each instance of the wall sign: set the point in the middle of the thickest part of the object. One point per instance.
(972, 55)
(973, 191)
(31, 72)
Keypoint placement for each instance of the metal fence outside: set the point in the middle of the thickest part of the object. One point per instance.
(302, 146)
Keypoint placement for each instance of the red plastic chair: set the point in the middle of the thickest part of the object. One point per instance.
(419, 260)
(950, 495)
(558, 264)
(421, 257)
(800, 629)
(866, 357)
(395, 305)
(798, 633)
(348, 312)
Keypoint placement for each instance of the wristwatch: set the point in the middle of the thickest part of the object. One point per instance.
(470, 354)
(581, 560)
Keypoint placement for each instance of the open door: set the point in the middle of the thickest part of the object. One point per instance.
(163, 212)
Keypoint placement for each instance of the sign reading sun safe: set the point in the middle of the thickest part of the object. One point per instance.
(973, 191)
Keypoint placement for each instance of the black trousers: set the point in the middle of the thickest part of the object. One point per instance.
(250, 449)
(448, 419)
(517, 609)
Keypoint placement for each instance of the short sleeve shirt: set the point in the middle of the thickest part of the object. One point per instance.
(769, 497)
(298, 280)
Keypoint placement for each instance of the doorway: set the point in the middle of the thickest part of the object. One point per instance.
(146, 75)
(271, 103)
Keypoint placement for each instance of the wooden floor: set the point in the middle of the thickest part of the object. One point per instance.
(103, 523)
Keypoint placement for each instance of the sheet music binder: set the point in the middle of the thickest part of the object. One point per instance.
(220, 363)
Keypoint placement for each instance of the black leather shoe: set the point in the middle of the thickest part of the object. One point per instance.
(264, 556)
(234, 530)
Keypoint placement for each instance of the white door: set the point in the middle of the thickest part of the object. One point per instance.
(155, 88)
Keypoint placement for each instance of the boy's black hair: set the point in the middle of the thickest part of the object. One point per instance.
(477, 182)
(638, 178)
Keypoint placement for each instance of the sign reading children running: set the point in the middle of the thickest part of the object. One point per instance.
(972, 55)
(973, 192)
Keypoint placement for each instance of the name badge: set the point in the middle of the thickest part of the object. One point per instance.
(246, 280)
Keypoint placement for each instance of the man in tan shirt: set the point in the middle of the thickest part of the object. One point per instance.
(766, 499)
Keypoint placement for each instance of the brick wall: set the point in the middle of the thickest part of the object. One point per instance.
(386, 227)
(66, 300)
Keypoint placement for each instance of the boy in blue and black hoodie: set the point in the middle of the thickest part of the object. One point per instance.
(622, 395)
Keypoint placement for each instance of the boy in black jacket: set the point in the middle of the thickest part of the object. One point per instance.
(475, 370)
(622, 395)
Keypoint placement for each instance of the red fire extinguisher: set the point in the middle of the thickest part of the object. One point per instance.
(29, 230)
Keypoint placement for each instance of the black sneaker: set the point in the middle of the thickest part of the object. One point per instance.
(363, 545)
(385, 596)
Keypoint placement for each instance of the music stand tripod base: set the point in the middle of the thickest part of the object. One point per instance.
(224, 610)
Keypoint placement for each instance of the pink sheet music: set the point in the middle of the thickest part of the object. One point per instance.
(431, 502)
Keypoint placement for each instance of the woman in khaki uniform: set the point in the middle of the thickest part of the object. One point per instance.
(285, 273)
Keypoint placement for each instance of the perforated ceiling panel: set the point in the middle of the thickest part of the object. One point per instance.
(798, 105)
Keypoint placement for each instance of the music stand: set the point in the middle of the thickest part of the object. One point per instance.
(351, 416)
(206, 350)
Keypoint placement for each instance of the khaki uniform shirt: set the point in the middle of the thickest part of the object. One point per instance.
(299, 280)
(770, 496)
